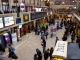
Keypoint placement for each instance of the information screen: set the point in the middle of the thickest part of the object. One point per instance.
(1, 23)
(9, 21)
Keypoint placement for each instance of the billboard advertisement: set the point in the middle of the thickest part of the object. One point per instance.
(8, 21)
(26, 17)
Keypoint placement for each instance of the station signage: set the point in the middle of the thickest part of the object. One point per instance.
(37, 15)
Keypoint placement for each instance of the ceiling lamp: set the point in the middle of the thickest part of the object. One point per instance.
(63, 3)
(72, 1)
(47, 0)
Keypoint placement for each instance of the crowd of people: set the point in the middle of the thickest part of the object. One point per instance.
(43, 32)
(69, 30)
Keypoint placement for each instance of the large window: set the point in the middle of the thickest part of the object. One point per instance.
(5, 5)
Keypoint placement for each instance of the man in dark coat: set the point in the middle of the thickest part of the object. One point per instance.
(43, 45)
(46, 55)
(64, 38)
(39, 54)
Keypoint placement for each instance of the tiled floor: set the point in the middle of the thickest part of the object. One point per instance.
(26, 48)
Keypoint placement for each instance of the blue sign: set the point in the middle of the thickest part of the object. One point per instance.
(18, 20)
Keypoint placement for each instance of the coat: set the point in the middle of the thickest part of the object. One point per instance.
(46, 55)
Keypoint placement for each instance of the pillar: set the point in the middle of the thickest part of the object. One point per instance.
(11, 3)
(27, 1)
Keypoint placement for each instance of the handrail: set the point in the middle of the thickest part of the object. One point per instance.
(78, 17)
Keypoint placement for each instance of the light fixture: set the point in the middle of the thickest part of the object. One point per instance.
(63, 3)
(47, 0)
(72, 1)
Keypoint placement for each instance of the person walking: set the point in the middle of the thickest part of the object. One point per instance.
(64, 38)
(73, 36)
(35, 57)
(51, 51)
(56, 40)
(46, 55)
(46, 34)
(43, 45)
(39, 54)
(12, 55)
(42, 35)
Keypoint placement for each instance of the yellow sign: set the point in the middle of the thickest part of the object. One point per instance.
(78, 31)
(26, 17)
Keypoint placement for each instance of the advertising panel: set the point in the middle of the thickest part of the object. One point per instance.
(1, 23)
(9, 20)
(7, 38)
(26, 17)
(14, 38)
(18, 20)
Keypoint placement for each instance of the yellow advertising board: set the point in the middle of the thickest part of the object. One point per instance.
(79, 31)
(26, 17)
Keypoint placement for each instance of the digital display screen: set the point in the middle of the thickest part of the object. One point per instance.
(1, 23)
(9, 20)
(18, 20)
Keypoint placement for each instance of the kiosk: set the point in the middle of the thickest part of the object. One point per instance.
(60, 51)
(66, 51)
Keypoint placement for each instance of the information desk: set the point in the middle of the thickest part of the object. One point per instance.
(60, 50)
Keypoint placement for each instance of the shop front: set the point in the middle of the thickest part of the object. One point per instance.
(38, 22)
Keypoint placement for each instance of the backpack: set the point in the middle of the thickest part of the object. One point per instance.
(12, 49)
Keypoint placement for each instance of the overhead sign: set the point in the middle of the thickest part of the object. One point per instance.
(37, 15)
(60, 49)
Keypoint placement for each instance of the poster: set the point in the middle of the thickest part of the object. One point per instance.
(18, 20)
(26, 18)
(14, 38)
(7, 38)
(9, 20)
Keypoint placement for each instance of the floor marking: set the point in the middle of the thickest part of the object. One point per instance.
(20, 44)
